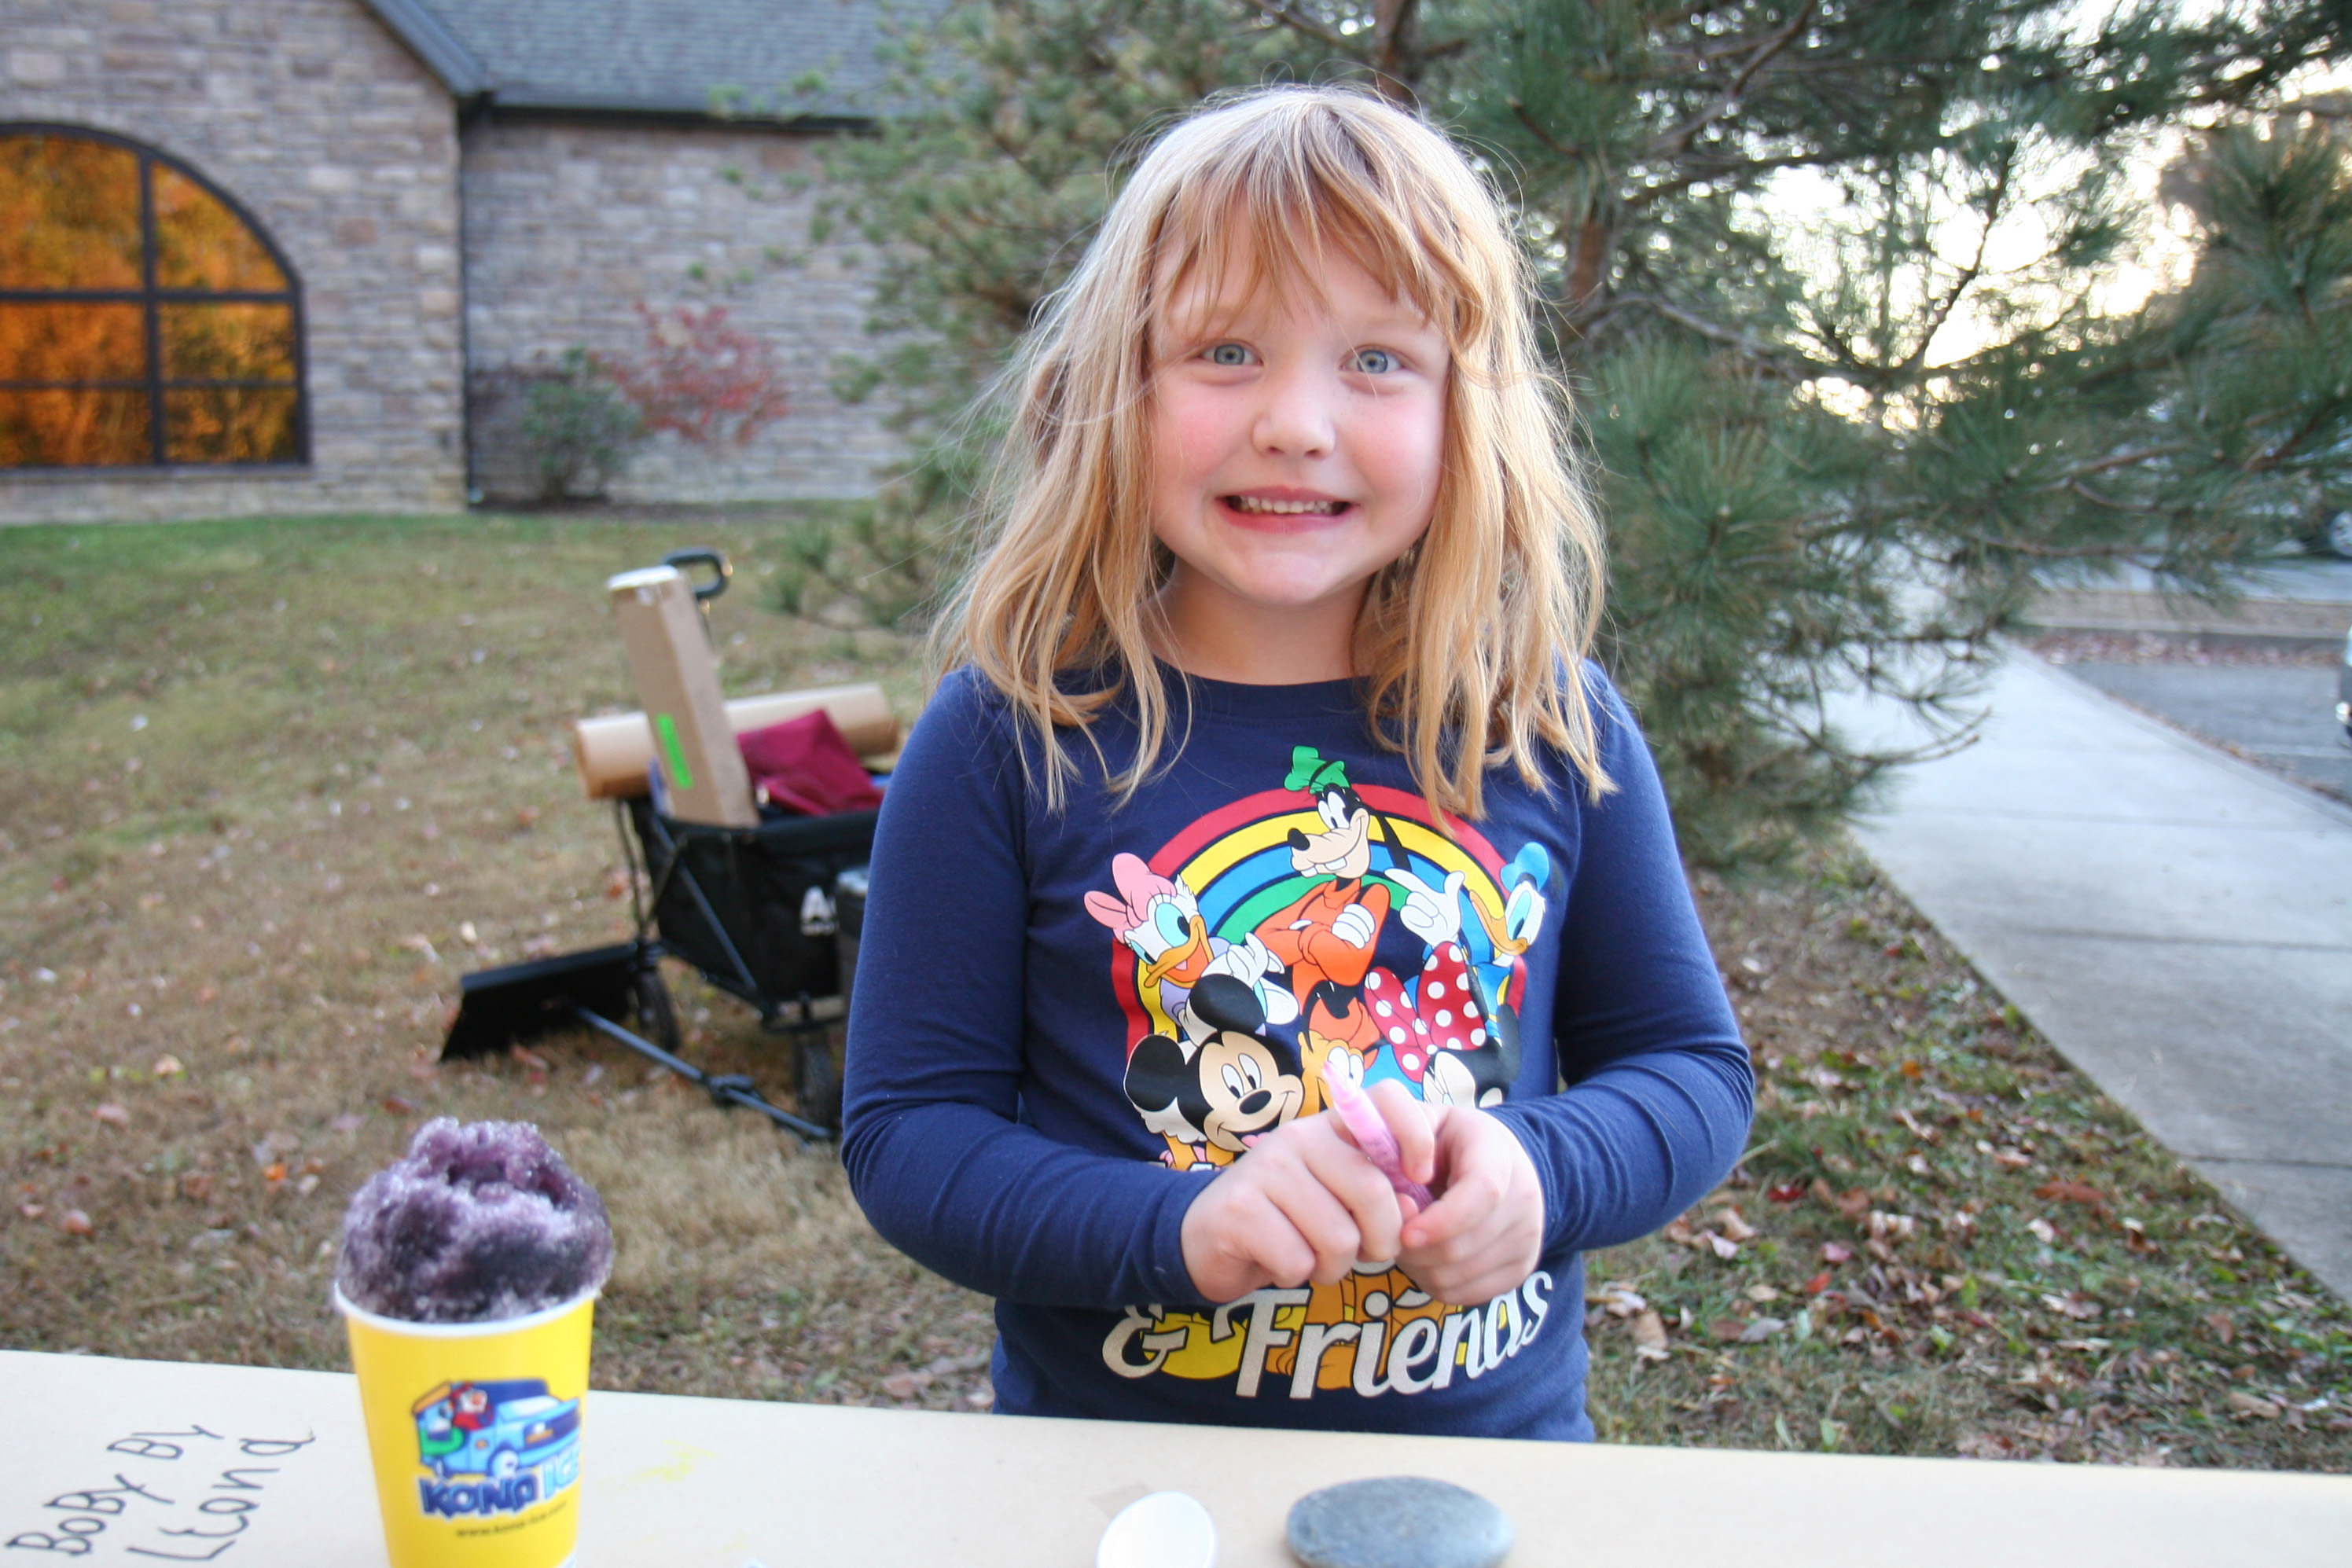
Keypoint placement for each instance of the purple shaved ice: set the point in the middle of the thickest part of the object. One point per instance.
(475, 1224)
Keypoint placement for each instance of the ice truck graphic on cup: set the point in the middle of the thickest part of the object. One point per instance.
(495, 1446)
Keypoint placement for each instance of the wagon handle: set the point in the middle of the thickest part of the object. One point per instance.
(703, 555)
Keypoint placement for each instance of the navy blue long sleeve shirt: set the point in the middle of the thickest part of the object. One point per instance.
(1067, 1022)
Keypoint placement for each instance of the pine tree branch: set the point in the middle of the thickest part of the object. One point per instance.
(2279, 452)
(1321, 32)
(1968, 275)
(1678, 141)
(1727, 172)
(1565, 152)
(2112, 504)
(1785, 359)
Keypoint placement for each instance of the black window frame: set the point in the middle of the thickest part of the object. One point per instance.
(151, 298)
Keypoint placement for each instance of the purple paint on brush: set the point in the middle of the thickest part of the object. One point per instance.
(1372, 1134)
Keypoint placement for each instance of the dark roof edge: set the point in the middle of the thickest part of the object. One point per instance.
(432, 41)
(498, 107)
(536, 98)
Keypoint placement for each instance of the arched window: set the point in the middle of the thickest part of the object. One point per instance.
(144, 320)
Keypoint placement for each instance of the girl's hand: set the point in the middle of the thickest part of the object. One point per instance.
(1304, 1204)
(1485, 1233)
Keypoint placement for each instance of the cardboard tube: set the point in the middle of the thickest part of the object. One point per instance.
(614, 752)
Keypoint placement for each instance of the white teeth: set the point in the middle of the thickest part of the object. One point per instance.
(1288, 509)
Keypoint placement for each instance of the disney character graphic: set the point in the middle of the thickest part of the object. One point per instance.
(1261, 959)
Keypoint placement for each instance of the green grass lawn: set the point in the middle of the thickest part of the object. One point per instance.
(268, 789)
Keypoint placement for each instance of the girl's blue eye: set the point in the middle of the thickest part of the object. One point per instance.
(1375, 361)
(1229, 354)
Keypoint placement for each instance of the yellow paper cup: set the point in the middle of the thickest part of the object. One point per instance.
(475, 1432)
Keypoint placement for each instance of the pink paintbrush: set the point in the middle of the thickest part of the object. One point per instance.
(1372, 1134)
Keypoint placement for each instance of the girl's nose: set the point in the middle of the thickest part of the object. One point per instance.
(1296, 419)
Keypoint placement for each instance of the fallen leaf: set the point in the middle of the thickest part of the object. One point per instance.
(2011, 1159)
(349, 1122)
(1835, 1252)
(1727, 1330)
(74, 1222)
(275, 1173)
(195, 1186)
(1617, 1297)
(1760, 1293)
(2246, 1403)
(1816, 1285)
(1650, 1337)
(526, 818)
(616, 885)
(1728, 1221)
(168, 1066)
(2071, 1192)
(421, 944)
(1679, 1232)
(906, 1384)
(1762, 1329)
(2042, 1230)
(113, 1114)
(1788, 1194)
(527, 1057)
(1722, 1247)
(31, 1210)
(398, 1107)
(466, 933)
(2224, 1329)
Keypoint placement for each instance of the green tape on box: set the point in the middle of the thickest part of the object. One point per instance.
(681, 776)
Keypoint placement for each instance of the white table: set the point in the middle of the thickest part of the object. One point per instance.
(715, 1483)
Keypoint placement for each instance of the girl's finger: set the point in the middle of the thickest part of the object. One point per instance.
(1265, 1234)
(1320, 1220)
(1372, 1205)
(1470, 1198)
(1408, 1119)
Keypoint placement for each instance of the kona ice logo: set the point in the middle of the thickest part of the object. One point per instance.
(494, 1448)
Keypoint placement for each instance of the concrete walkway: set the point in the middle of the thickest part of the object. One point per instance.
(2177, 922)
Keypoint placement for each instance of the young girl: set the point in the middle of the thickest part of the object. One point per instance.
(1273, 758)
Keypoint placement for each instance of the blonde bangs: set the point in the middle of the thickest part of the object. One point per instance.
(1461, 644)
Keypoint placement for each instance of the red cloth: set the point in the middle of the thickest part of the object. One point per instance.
(804, 765)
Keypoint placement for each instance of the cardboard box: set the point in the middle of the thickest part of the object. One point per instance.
(703, 777)
(614, 750)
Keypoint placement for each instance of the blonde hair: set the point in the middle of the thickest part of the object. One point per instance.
(1460, 645)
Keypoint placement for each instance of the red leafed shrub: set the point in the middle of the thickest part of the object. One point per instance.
(700, 377)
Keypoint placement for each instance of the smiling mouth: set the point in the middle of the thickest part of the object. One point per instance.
(1260, 506)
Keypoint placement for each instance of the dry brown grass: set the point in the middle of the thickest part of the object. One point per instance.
(230, 935)
(267, 788)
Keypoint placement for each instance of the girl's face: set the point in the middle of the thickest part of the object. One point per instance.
(1296, 443)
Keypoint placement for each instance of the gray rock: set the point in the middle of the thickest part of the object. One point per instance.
(1397, 1521)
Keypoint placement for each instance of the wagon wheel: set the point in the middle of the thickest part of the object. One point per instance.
(657, 1018)
(816, 1082)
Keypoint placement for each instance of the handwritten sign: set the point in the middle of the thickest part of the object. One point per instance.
(185, 1496)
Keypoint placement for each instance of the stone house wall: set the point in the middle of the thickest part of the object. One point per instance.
(344, 147)
(570, 223)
